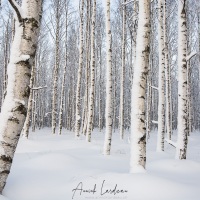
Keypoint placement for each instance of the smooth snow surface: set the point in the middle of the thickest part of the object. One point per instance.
(49, 167)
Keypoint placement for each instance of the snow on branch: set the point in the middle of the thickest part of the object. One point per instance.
(39, 88)
(191, 55)
(155, 122)
(16, 8)
(156, 88)
(171, 142)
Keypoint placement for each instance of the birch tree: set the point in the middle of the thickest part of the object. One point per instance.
(25, 132)
(167, 77)
(92, 78)
(57, 7)
(181, 148)
(64, 70)
(138, 129)
(78, 90)
(14, 109)
(161, 84)
(121, 117)
(109, 102)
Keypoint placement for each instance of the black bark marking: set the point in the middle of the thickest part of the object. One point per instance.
(6, 158)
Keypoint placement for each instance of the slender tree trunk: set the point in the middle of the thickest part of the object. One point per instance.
(78, 90)
(181, 148)
(161, 101)
(168, 79)
(121, 117)
(14, 108)
(92, 78)
(64, 76)
(6, 46)
(25, 132)
(109, 102)
(34, 95)
(56, 71)
(87, 74)
(138, 129)
(114, 93)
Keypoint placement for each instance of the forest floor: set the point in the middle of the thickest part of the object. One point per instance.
(49, 167)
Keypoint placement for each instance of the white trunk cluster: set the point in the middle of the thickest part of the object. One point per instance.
(138, 129)
(22, 55)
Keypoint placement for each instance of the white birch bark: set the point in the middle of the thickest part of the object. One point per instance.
(78, 89)
(182, 141)
(109, 102)
(138, 129)
(87, 74)
(64, 74)
(168, 80)
(25, 132)
(161, 84)
(121, 117)
(92, 78)
(56, 70)
(14, 108)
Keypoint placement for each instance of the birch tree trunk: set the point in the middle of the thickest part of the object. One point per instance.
(109, 102)
(64, 74)
(14, 108)
(121, 117)
(161, 84)
(92, 78)
(181, 148)
(6, 47)
(168, 79)
(138, 129)
(87, 74)
(56, 70)
(78, 89)
(25, 132)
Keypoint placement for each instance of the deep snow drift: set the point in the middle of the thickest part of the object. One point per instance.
(51, 167)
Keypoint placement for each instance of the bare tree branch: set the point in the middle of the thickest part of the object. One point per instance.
(15, 6)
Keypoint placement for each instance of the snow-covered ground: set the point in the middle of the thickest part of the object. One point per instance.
(49, 167)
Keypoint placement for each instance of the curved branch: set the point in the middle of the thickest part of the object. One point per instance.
(16, 8)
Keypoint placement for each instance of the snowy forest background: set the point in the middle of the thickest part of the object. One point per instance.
(45, 61)
(69, 75)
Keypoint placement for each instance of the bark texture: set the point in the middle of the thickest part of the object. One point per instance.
(181, 148)
(109, 102)
(92, 78)
(138, 129)
(161, 84)
(14, 108)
